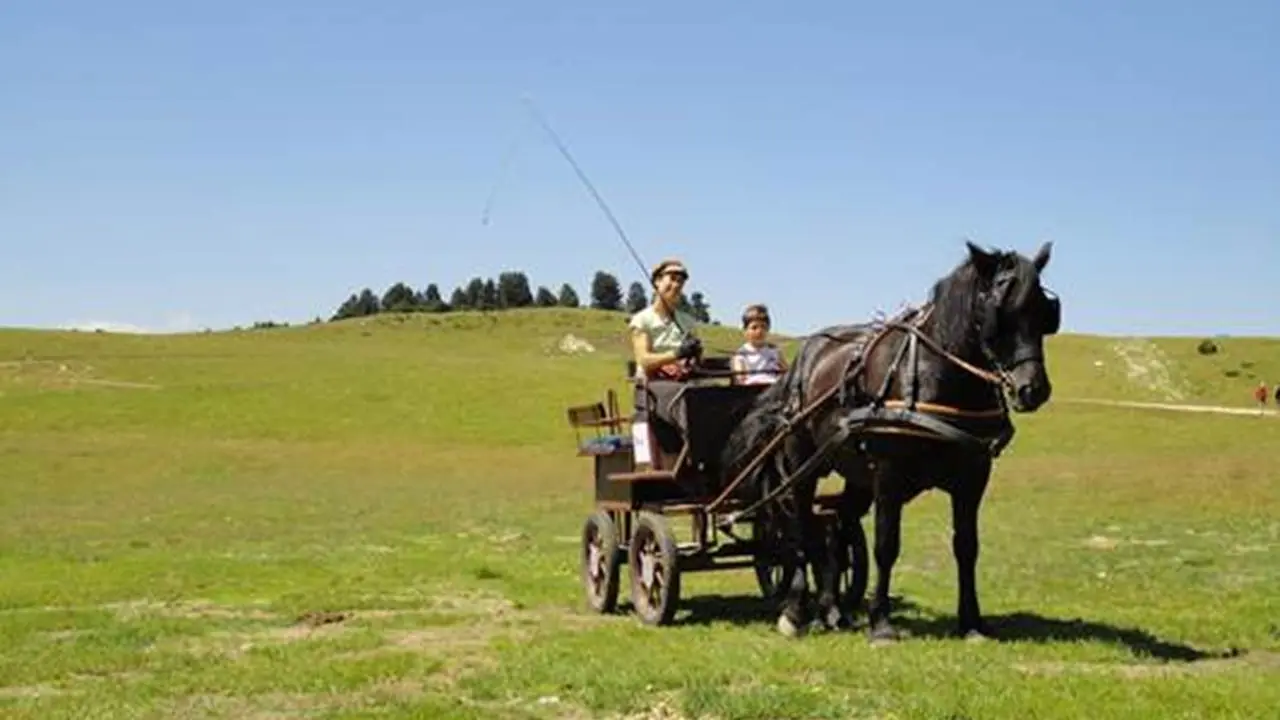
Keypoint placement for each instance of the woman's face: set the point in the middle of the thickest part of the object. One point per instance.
(670, 284)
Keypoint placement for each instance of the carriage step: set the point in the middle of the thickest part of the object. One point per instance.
(643, 476)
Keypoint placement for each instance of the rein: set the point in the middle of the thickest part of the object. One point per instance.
(908, 409)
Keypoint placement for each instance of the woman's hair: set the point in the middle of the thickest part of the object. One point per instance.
(758, 311)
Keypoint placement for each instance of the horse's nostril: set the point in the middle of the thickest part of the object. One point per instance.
(1026, 394)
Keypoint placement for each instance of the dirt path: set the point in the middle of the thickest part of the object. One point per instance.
(1221, 409)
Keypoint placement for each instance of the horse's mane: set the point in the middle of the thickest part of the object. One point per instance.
(955, 300)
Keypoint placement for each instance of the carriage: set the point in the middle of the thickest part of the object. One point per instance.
(677, 474)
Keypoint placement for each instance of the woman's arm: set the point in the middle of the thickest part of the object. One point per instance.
(646, 359)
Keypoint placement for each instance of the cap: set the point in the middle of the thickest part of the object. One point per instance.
(668, 265)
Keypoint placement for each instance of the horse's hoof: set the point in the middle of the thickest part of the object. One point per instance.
(835, 620)
(977, 635)
(883, 634)
(787, 627)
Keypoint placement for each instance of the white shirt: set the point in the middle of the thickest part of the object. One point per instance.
(763, 364)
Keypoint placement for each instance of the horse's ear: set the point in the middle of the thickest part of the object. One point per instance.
(1042, 256)
(986, 263)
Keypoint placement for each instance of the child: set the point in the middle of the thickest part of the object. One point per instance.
(757, 361)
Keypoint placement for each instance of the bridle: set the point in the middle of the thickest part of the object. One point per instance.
(1047, 312)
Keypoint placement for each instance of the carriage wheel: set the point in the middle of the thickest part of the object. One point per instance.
(600, 561)
(655, 570)
(768, 570)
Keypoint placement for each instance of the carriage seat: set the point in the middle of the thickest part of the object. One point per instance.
(713, 411)
(711, 408)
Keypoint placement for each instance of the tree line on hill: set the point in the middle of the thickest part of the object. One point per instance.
(511, 289)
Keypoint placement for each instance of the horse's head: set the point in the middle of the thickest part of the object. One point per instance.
(1014, 314)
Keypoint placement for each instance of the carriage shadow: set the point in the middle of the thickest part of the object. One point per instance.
(917, 621)
(738, 610)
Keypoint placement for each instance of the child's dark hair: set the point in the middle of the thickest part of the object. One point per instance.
(758, 311)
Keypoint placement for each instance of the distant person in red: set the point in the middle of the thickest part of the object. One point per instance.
(1260, 394)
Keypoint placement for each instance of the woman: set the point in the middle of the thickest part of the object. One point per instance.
(662, 337)
(663, 343)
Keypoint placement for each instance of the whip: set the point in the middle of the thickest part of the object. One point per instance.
(591, 188)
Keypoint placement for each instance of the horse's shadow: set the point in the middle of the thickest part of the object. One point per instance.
(920, 622)
(1033, 627)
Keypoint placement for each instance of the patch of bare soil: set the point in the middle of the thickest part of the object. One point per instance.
(76, 684)
(474, 620)
(460, 645)
(56, 375)
(30, 692)
(135, 609)
(663, 709)
(1266, 660)
(1104, 542)
(277, 706)
(463, 646)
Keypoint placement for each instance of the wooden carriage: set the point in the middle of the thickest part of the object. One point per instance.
(678, 474)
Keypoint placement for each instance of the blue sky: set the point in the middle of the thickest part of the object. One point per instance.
(182, 165)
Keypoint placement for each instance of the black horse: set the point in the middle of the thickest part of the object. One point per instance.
(895, 408)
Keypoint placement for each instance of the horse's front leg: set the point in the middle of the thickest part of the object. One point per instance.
(888, 544)
(966, 499)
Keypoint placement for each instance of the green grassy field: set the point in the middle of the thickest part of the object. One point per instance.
(380, 518)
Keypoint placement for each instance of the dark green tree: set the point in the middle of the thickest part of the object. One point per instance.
(475, 293)
(367, 303)
(430, 300)
(513, 290)
(568, 298)
(699, 307)
(489, 295)
(459, 300)
(399, 298)
(348, 309)
(545, 297)
(606, 293)
(636, 298)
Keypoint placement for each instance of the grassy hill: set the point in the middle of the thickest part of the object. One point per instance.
(171, 506)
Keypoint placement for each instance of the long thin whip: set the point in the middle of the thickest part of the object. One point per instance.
(591, 188)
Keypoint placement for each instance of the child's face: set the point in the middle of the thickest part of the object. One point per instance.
(756, 331)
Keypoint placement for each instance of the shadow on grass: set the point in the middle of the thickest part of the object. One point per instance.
(1033, 627)
(920, 622)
